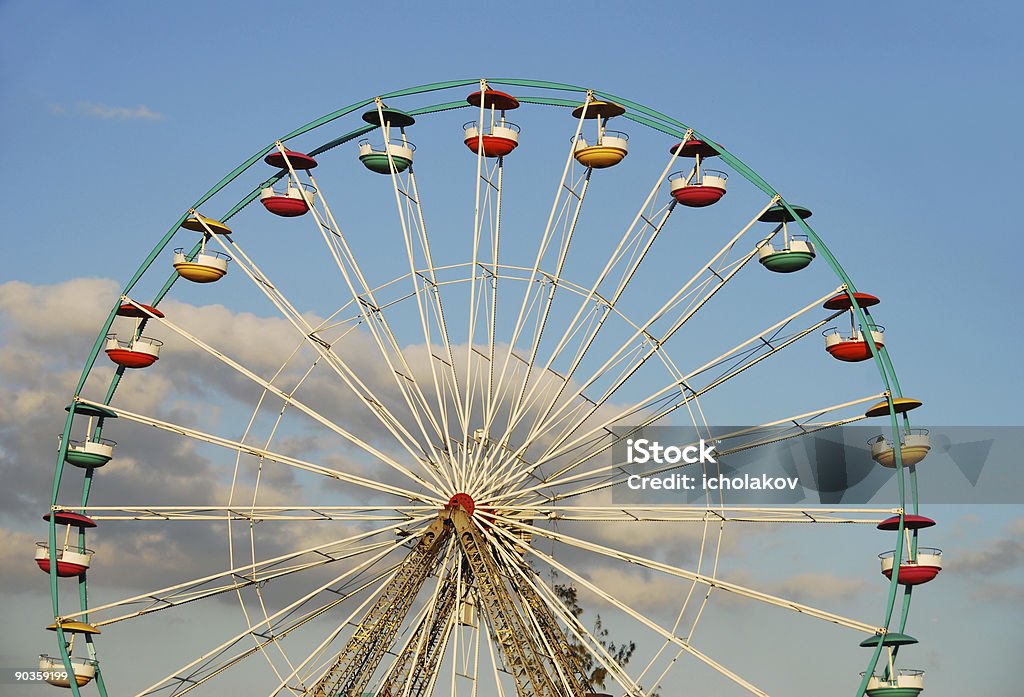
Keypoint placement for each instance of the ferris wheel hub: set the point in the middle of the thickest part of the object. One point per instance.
(463, 500)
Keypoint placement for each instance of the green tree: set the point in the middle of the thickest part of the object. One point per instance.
(620, 652)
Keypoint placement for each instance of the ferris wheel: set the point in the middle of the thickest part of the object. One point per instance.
(448, 345)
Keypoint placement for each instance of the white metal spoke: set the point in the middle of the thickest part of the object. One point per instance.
(247, 574)
(475, 675)
(568, 190)
(709, 581)
(561, 445)
(284, 612)
(467, 398)
(642, 343)
(489, 401)
(373, 315)
(496, 669)
(446, 384)
(545, 298)
(643, 619)
(802, 423)
(764, 338)
(302, 407)
(255, 514)
(418, 452)
(702, 513)
(413, 223)
(572, 623)
(632, 248)
(488, 202)
(204, 437)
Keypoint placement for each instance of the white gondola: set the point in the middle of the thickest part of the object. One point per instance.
(913, 449)
(610, 147)
(206, 267)
(92, 452)
(926, 565)
(54, 672)
(289, 202)
(852, 347)
(135, 352)
(796, 255)
(375, 155)
(904, 683)
(70, 561)
(697, 187)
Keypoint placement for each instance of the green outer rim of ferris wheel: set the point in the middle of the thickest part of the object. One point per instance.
(637, 113)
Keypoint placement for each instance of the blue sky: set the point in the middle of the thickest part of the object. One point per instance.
(899, 127)
(896, 123)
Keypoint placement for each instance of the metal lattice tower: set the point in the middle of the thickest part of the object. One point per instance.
(523, 657)
(351, 672)
(416, 667)
(566, 660)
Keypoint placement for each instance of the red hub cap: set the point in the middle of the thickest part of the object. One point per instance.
(464, 500)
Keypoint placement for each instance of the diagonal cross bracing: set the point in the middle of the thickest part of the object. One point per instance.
(525, 659)
(414, 671)
(562, 651)
(351, 671)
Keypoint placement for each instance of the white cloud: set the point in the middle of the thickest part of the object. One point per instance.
(16, 559)
(39, 365)
(646, 592)
(999, 593)
(96, 111)
(996, 555)
(81, 304)
(823, 589)
(107, 112)
(1015, 528)
(821, 586)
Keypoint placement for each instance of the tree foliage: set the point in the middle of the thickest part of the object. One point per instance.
(620, 652)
